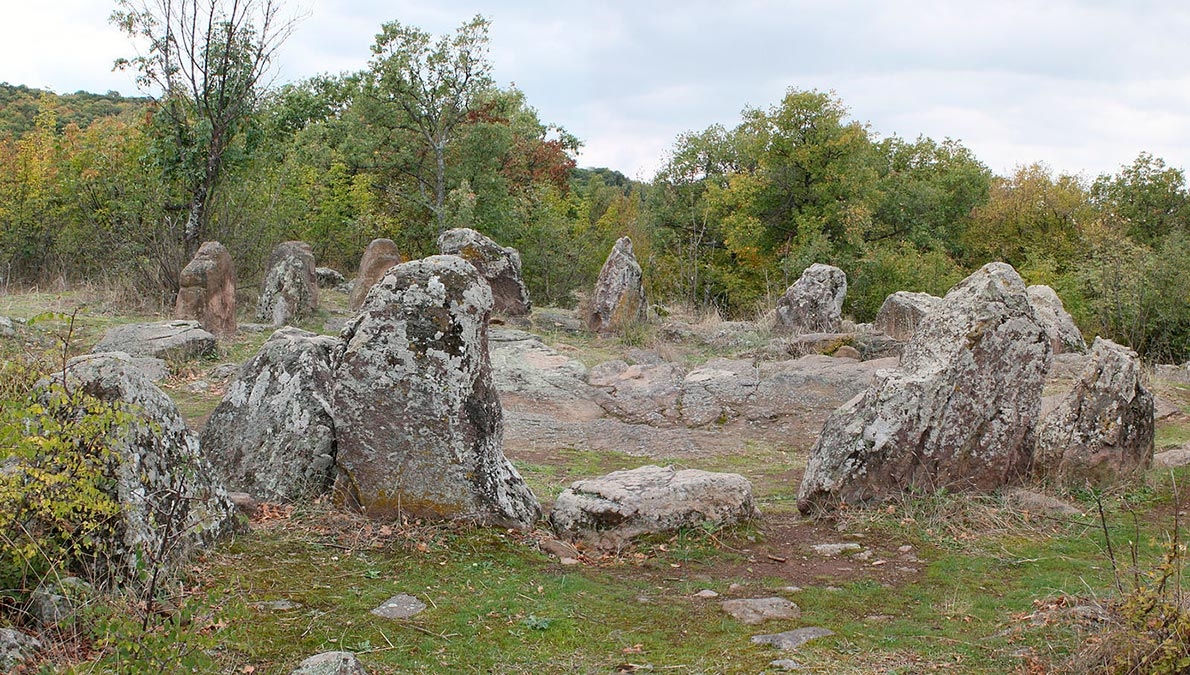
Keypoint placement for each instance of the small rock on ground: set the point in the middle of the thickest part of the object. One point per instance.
(402, 606)
(835, 549)
(331, 663)
(792, 639)
(786, 664)
(1172, 458)
(757, 610)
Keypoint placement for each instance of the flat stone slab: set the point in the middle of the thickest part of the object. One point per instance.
(162, 339)
(792, 639)
(831, 550)
(402, 606)
(331, 663)
(1172, 458)
(758, 610)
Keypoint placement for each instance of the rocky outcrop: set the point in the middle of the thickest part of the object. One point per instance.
(379, 257)
(290, 289)
(902, 312)
(618, 300)
(609, 510)
(418, 423)
(1102, 431)
(1064, 336)
(814, 303)
(169, 340)
(171, 501)
(958, 413)
(272, 435)
(207, 290)
(499, 265)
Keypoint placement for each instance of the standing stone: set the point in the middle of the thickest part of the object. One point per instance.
(1064, 336)
(619, 297)
(207, 290)
(814, 303)
(902, 312)
(499, 265)
(272, 436)
(160, 477)
(290, 289)
(380, 255)
(418, 422)
(959, 411)
(1102, 431)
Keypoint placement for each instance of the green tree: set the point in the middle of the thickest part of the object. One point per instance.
(1147, 199)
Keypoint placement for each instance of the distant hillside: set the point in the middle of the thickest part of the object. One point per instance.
(18, 107)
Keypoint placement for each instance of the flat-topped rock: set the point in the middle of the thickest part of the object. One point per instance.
(169, 340)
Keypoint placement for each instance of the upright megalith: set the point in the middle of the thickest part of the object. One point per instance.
(290, 289)
(379, 257)
(814, 303)
(902, 312)
(499, 265)
(272, 435)
(207, 290)
(1102, 431)
(958, 413)
(619, 299)
(171, 501)
(1064, 335)
(419, 425)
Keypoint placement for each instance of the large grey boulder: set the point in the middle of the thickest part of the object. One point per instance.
(171, 501)
(170, 340)
(1064, 335)
(290, 288)
(207, 290)
(499, 265)
(612, 509)
(272, 435)
(902, 312)
(958, 413)
(618, 300)
(380, 256)
(418, 422)
(1102, 431)
(814, 303)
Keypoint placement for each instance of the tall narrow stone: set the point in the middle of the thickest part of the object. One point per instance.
(814, 303)
(207, 290)
(619, 297)
(290, 289)
(379, 257)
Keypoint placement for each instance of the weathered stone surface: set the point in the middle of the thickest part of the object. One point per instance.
(6, 327)
(58, 602)
(178, 340)
(16, 648)
(166, 486)
(1040, 503)
(792, 639)
(152, 368)
(1171, 459)
(1064, 335)
(273, 435)
(753, 611)
(207, 290)
(328, 277)
(814, 303)
(902, 312)
(401, 606)
(379, 257)
(624, 504)
(290, 290)
(499, 265)
(959, 411)
(619, 298)
(418, 423)
(331, 663)
(1102, 431)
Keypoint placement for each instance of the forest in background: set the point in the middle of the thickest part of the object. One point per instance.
(120, 191)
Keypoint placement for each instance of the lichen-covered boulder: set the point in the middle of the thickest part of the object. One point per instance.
(328, 277)
(499, 265)
(331, 663)
(902, 312)
(16, 649)
(180, 340)
(1064, 335)
(290, 289)
(814, 303)
(171, 500)
(418, 422)
(207, 290)
(958, 413)
(618, 300)
(612, 509)
(379, 257)
(1102, 431)
(272, 435)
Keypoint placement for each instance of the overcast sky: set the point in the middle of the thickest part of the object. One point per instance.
(1082, 86)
